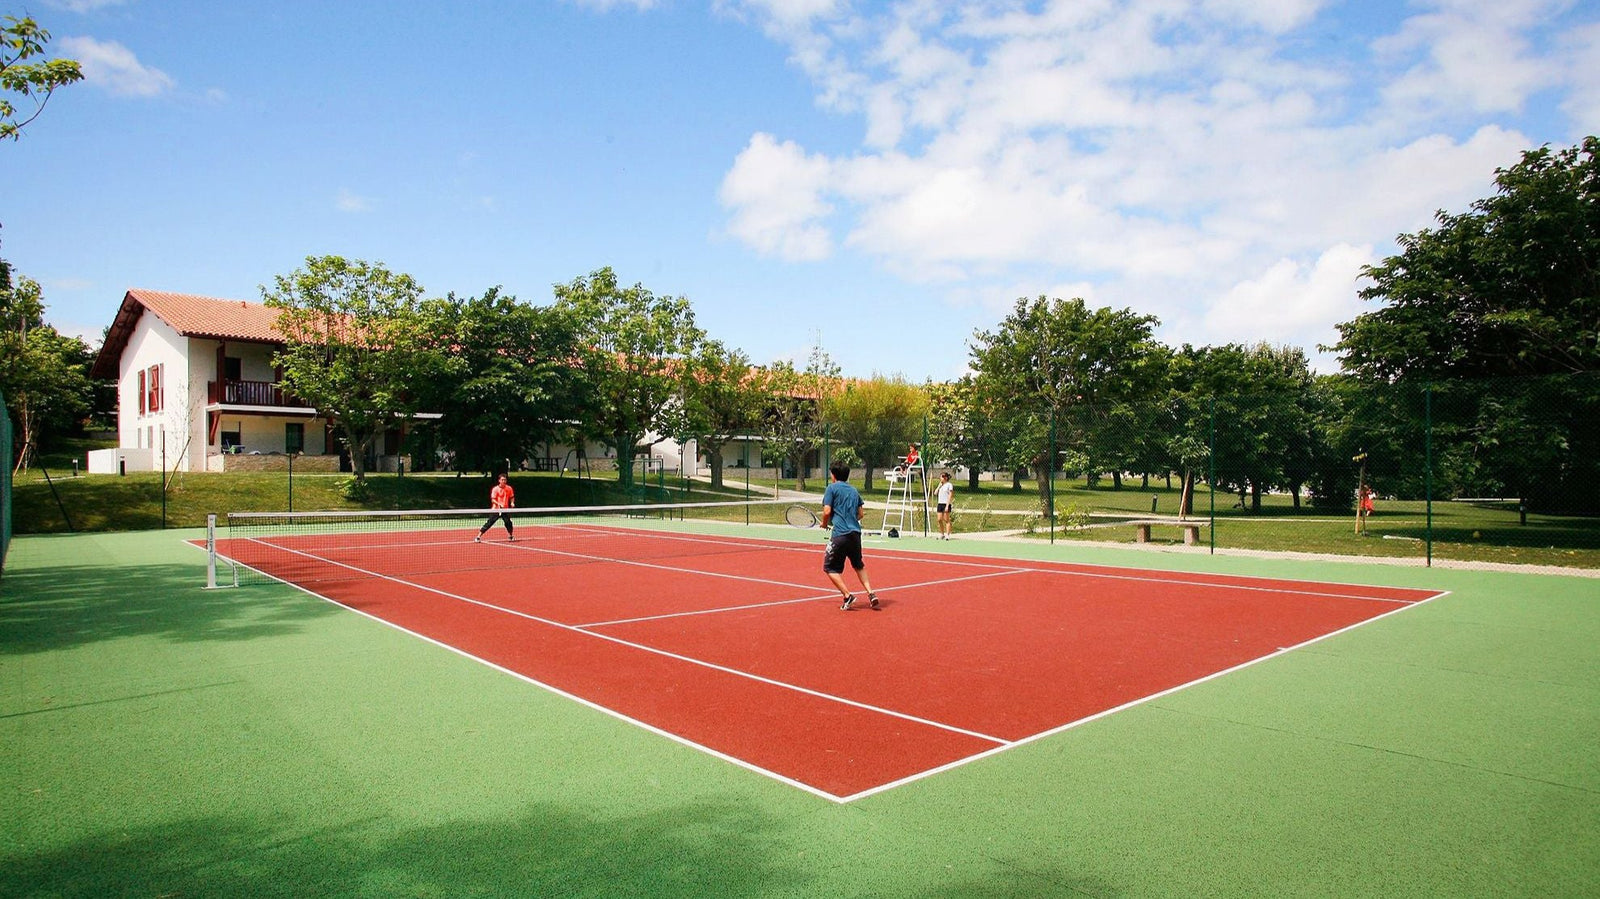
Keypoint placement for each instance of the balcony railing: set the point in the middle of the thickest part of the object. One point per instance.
(250, 393)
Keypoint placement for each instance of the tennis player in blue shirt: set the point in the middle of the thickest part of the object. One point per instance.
(842, 509)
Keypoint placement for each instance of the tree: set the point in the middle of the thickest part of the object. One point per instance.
(1052, 356)
(354, 346)
(792, 419)
(43, 374)
(722, 397)
(21, 40)
(1509, 288)
(879, 417)
(636, 348)
(507, 380)
(962, 431)
(1258, 403)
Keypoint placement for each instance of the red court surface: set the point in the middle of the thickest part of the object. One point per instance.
(738, 647)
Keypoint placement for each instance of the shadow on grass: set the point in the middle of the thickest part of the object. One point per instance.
(548, 851)
(64, 606)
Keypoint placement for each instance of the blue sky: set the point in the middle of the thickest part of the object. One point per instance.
(885, 178)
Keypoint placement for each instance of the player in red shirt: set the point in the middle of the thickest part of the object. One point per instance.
(501, 496)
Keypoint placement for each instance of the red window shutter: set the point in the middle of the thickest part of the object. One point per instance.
(141, 392)
(161, 387)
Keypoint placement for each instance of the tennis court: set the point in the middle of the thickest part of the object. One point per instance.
(166, 739)
(734, 644)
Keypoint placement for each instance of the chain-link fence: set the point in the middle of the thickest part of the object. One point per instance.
(1481, 471)
(5, 482)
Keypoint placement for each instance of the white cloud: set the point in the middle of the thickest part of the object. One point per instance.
(349, 201)
(775, 193)
(83, 6)
(608, 5)
(1583, 102)
(110, 65)
(1276, 16)
(1226, 164)
(1476, 56)
(1290, 302)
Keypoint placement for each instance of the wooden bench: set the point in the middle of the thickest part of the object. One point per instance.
(1191, 530)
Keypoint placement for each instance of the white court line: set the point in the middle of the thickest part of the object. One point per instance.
(785, 602)
(660, 652)
(1000, 744)
(986, 562)
(589, 703)
(1126, 705)
(980, 562)
(655, 565)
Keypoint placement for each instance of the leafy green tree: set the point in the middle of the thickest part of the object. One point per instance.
(879, 417)
(1510, 288)
(33, 82)
(506, 381)
(792, 417)
(1258, 402)
(962, 430)
(43, 374)
(636, 351)
(355, 346)
(1051, 362)
(722, 400)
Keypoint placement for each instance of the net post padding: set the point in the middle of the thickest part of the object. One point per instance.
(212, 557)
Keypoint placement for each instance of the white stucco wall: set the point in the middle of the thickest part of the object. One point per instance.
(173, 428)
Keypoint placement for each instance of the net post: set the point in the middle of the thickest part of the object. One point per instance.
(211, 551)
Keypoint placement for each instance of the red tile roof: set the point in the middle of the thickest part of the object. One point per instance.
(190, 316)
(194, 316)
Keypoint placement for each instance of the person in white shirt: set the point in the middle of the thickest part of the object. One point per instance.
(946, 493)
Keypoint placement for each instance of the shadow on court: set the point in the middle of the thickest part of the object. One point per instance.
(548, 851)
(55, 607)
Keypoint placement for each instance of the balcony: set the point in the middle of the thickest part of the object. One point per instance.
(250, 393)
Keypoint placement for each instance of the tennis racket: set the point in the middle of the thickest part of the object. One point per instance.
(800, 517)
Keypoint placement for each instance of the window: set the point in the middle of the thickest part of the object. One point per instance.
(294, 437)
(230, 439)
(142, 395)
(152, 383)
(232, 368)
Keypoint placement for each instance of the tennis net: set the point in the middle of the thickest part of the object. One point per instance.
(311, 547)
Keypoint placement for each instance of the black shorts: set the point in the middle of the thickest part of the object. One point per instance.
(841, 547)
(943, 508)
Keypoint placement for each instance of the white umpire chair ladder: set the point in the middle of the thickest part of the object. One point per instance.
(908, 494)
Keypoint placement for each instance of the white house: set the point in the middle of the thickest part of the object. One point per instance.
(197, 391)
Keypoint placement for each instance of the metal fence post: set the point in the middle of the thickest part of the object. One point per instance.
(1211, 456)
(1427, 476)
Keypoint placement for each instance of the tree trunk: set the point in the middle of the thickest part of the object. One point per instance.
(866, 478)
(358, 452)
(972, 480)
(624, 447)
(715, 458)
(25, 452)
(1255, 497)
(1186, 500)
